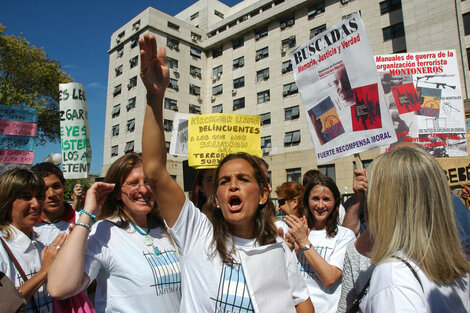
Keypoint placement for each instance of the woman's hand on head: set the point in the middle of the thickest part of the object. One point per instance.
(154, 70)
(50, 252)
(96, 196)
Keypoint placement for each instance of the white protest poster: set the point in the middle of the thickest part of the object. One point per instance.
(341, 92)
(179, 134)
(423, 95)
(74, 131)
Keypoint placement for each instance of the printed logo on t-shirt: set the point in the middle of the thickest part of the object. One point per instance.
(305, 269)
(40, 299)
(232, 294)
(166, 271)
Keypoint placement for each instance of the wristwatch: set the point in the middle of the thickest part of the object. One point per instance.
(308, 246)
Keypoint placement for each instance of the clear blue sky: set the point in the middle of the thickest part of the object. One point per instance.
(77, 34)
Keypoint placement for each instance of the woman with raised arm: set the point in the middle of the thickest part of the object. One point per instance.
(129, 251)
(321, 241)
(213, 248)
(420, 264)
(21, 202)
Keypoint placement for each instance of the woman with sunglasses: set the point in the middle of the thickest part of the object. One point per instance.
(290, 198)
(129, 251)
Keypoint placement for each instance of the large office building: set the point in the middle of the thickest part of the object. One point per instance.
(236, 59)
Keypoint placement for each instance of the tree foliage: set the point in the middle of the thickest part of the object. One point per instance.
(28, 77)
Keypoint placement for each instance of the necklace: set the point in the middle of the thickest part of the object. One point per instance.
(147, 239)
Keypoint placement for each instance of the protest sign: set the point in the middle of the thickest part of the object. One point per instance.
(423, 95)
(18, 126)
(74, 131)
(213, 136)
(341, 93)
(179, 134)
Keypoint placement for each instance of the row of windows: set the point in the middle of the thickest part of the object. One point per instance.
(295, 174)
(291, 138)
(135, 27)
(172, 104)
(129, 147)
(132, 63)
(117, 108)
(118, 88)
(262, 96)
(130, 128)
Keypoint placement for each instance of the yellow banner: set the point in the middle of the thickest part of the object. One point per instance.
(213, 136)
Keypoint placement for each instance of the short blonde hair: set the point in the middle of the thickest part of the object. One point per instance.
(410, 210)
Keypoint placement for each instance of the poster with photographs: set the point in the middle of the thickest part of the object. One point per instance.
(423, 95)
(341, 92)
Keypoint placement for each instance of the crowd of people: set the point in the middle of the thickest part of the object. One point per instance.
(400, 244)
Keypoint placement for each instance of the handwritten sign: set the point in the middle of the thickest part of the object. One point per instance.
(16, 156)
(18, 113)
(74, 131)
(213, 136)
(340, 88)
(18, 126)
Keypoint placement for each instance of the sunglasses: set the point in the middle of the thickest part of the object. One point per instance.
(281, 201)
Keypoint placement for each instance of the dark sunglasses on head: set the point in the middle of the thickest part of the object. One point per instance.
(281, 202)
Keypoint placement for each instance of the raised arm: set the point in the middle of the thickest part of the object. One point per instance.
(352, 219)
(66, 277)
(155, 76)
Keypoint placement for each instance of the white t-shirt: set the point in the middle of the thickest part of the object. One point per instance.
(332, 250)
(394, 288)
(130, 276)
(209, 284)
(281, 224)
(28, 254)
(47, 231)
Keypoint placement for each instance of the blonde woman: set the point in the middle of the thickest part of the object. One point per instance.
(420, 264)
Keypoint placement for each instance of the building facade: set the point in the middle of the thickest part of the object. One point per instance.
(236, 59)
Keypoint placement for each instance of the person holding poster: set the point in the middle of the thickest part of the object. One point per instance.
(129, 251)
(21, 205)
(223, 254)
(322, 242)
(420, 264)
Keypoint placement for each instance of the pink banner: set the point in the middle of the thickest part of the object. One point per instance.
(17, 128)
(16, 156)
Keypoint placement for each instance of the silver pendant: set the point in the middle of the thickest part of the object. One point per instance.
(148, 241)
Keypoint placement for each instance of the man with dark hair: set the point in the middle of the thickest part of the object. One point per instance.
(57, 214)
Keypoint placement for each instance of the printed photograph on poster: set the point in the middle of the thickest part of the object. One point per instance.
(336, 77)
(326, 121)
(430, 99)
(365, 114)
(406, 98)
